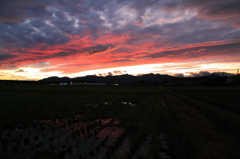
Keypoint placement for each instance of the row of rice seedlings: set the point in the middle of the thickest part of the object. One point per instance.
(74, 137)
(223, 119)
(164, 150)
(224, 100)
(69, 136)
(192, 135)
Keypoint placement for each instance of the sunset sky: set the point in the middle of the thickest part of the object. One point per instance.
(42, 38)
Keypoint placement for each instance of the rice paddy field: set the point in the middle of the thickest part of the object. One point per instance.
(119, 122)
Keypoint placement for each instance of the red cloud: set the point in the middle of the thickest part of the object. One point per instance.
(108, 50)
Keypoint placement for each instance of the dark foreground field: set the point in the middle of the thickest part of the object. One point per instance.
(119, 122)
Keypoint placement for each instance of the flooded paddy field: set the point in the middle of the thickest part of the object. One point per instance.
(76, 137)
(123, 122)
(82, 122)
(205, 121)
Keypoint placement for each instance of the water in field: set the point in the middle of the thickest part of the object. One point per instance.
(71, 137)
(76, 137)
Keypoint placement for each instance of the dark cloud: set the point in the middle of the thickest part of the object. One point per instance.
(189, 31)
(203, 73)
(9, 67)
(17, 11)
(31, 34)
(75, 65)
(178, 75)
(197, 31)
(6, 56)
(60, 54)
(226, 11)
(98, 49)
(21, 70)
(121, 61)
(206, 73)
(52, 22)
(199, 51)
(33, 22)
(69, 52)
(118, 72)
(41, 64)
(199, 74)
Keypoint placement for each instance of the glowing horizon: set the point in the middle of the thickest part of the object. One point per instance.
(39, 39)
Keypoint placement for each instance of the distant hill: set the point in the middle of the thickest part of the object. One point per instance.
(146, 79)
(121, 79)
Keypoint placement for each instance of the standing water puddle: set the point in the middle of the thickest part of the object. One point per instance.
(70, 138)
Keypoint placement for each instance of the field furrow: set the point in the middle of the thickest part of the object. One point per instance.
(194, 135)
(152, 122)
